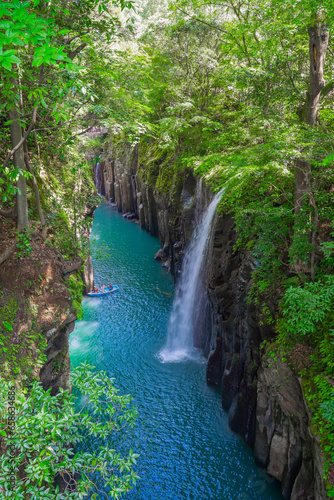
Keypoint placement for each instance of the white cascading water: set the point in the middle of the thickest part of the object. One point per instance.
(97, 173)
(179, 344)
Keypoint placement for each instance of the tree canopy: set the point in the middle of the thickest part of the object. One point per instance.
(239, 91)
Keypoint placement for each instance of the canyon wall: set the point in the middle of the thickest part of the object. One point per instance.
(264, 399)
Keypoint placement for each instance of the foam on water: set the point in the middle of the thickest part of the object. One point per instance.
(177, 355)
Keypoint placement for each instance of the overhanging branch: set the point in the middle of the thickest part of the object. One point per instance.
(327, 89)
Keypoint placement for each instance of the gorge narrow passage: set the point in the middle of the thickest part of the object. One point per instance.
(186, 448)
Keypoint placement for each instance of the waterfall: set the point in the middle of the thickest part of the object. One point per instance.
(97, 177)
(179, 344)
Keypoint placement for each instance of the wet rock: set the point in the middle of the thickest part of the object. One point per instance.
(55, 372)
(283, 442)
(242, 412)
(88, 276)
(214, 365)
(162, 254)
(232, 377)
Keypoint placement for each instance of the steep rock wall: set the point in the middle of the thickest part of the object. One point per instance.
(265, 403)
(55, 372)
(283, 439)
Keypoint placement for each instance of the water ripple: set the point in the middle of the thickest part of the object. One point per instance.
(187, 451)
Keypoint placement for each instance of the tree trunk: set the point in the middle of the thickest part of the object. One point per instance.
(302, 183)
(21, 199)
(36, 191)
(318, 42)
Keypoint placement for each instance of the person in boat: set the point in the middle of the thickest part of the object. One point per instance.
(95, 289)
(110, 286)
(103, 290)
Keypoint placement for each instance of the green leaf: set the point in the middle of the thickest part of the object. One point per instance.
(37, 61)
(13, 59)
(8, 326)
(6, 64)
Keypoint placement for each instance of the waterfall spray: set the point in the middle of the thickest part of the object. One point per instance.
(179, 344)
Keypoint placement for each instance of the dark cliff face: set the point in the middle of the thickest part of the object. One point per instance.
(264, 402)
(55, 372)
(234, 333)
(263, 398)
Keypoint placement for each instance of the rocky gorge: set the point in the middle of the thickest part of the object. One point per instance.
(262, 395)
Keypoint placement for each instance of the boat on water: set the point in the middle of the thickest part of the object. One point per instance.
(107, 291)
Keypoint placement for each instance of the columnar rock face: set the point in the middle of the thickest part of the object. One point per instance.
(88, 272)
(55, 372)
(233, 334)
(283, 440)
(264, 403)
(88, 276)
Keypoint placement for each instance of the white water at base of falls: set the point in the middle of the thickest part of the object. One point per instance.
(180, 332)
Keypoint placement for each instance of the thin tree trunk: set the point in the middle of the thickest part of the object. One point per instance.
(314, 234)
(302, 183)
(36, 191)
(21, 199)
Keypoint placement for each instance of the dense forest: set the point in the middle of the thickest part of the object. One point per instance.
(238, 92)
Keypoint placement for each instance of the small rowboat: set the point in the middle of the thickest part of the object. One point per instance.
(106, 292)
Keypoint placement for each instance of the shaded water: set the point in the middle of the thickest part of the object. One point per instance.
(187, 450)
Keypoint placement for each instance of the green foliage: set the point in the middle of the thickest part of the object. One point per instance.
(49, 54)
(19, 354)
(46, 429)
(24, 244)
(307, 317)
(75, 285)
(8, 314)
(319, 394)
(8, 177)
(327, 410)
(305, 307)
(328, 250)
(72, 191)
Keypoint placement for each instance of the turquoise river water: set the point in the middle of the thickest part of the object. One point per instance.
(187, 451)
